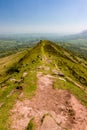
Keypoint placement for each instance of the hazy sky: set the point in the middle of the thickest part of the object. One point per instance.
(45, 16)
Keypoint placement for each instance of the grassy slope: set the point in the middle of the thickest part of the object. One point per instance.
(28, 61)
(67, 63)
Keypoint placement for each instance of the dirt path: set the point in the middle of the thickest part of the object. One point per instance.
(64, 109)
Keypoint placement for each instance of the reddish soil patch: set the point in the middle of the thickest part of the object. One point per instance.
(64, 108)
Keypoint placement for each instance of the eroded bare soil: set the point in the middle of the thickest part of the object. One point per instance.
(61, 109)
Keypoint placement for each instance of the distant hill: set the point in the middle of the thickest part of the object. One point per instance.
(76, 43)
(84, 32)
(81, 35)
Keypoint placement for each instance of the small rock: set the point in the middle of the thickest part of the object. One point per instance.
(49, 124)
(60, 74)
(12, 79)
(10, 93)
(25, 74)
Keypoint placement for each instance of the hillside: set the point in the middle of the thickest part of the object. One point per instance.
(10, 46)
(76, 43)
(43, 88)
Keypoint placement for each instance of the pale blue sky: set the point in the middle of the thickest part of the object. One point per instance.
(43, 16)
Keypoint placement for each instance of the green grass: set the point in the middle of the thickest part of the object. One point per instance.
(22, 62)
(7, 62)
(5, 112)
(30, 84)
(7, 104)
(67, 62)
(31, 125)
